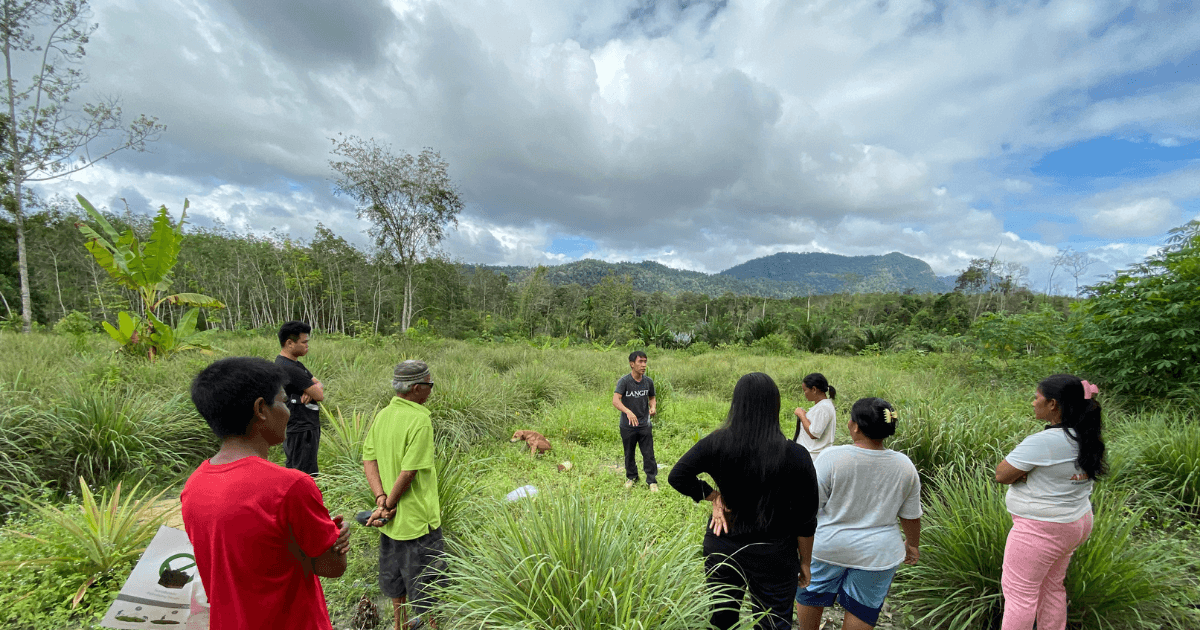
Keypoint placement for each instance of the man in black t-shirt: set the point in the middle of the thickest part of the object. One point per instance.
(303, 391)
(634, 398)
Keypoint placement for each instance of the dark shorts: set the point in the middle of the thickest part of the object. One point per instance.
(411, 567)
(301, 448)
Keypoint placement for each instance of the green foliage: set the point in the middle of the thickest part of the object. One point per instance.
(1008, 336)
(1165, 457)
(560, 562)
(1113, 581)
(343, 440)
(1140, 332)
(775, 344)
(653, 329)
(20, 428)
(147, 268)
(717, 331)
(814, 335)
(763, 327)
(77, 326)
(104, 436)
(881, 337)
(104, 535)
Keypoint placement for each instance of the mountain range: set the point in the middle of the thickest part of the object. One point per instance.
(781, 275)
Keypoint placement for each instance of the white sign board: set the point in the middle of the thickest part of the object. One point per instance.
(159, 591)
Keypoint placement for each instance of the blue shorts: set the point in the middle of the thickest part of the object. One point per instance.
(860, 592)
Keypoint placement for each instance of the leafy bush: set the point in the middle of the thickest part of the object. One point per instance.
(653, 329)
(105, 534)
(763, 327)
(77, 326)
(775, 344)
(879, 337)
(558, 562)
(717, 331)
(534, 386)
(1018, 335)
(815, 335)
(1113, 581)
(1140, 332)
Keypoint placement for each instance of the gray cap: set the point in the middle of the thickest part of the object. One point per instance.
(409, 372)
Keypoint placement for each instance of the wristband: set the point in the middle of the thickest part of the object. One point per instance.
(381, 494)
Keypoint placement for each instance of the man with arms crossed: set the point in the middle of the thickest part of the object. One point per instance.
(634, 398)
(261, 533)
(398, 463)
(304, 391)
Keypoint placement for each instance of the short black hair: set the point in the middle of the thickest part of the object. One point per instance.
(291, 330)
(633, 356)
(224, 392)
(867, 413)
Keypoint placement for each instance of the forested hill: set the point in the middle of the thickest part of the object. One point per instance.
(830, 273)
(778, 276)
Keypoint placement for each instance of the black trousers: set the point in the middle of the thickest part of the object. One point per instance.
(768, 569)
(301, 448)
(641, 437)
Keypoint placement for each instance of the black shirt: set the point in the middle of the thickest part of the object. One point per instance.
(791, 492)
(636, 398)
(298, 379)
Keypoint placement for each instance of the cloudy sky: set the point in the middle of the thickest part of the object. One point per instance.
(696, 133)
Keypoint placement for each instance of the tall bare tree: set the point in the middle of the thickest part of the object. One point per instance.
(409, 200)
(47, 136)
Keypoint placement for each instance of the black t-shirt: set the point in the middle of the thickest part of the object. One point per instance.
(304, 417)
(791, 493)
(636, 397)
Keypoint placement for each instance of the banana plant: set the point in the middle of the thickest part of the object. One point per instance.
(146, 268)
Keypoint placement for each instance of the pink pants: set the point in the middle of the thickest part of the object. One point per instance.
(1035, 563)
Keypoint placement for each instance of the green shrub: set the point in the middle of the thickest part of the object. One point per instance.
(20, 433)
(77, 326)
(104, 436)
(1139, 333)
(774, 344)
(1166, 457)
(105, 535)
(559, 562)
(815, 335)
(717, 331)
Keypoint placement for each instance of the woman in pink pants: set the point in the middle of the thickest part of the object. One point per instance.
(1050, 475)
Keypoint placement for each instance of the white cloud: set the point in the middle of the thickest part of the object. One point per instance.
(1142, 217)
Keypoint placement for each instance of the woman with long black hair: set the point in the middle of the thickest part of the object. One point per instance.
(764, 510)
(1050, 476)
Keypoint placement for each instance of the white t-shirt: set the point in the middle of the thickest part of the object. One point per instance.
(1056, 490)
(822, 419)
(861, 493)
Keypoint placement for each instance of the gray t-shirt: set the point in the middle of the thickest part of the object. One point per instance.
(635, 395)
(1056, 490)
(862, 492)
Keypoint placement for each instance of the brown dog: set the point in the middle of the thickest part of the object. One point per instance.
(536, 441)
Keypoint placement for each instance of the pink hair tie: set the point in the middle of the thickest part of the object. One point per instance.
(1089, 390)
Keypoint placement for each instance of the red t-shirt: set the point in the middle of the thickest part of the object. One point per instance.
(244, 519)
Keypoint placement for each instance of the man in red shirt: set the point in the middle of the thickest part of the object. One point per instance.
(261, 532)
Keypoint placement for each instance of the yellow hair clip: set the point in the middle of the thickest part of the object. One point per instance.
(889, 416)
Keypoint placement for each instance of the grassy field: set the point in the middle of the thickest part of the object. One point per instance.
(586, 553)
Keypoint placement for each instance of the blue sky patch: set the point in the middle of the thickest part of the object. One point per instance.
(1114, 157)
(571, 246)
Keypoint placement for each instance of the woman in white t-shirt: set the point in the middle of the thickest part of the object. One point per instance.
(1050, 475)
(863, 489)
(816, 427)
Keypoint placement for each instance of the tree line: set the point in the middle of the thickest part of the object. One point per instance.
(339, 287)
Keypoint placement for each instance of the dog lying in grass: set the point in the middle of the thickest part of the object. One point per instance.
(537, 442)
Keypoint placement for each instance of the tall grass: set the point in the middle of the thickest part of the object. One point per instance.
(469, 405)
(561, 563)
(1163, 452)
(1114, 581)
(21, 431)
(342, 442)
(104, 436)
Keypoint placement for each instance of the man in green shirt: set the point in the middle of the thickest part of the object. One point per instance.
(398, 462)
